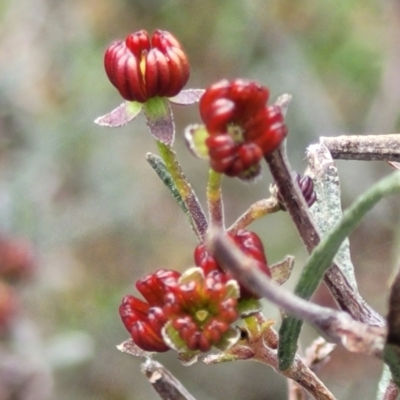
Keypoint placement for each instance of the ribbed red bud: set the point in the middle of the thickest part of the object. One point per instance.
(142, 68)
(250, 244)
(237, 110)
(306, 186)
(145, 320)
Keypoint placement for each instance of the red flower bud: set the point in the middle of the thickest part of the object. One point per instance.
(249, 243)
(141, 68)
(202, 310)
(242, 128)
(144, 321)
(306, 186)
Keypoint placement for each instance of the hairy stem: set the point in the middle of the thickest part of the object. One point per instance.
(364, 147)
(342, 291)
(185, 190)
(214, 199)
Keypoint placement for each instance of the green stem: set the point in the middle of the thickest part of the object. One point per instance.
(188, 196)
(214, 199)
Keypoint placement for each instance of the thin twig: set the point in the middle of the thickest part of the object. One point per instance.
(255, 211)
(260, 345)
(364, 147)
(316, 355)
(163, 382)
(336, 326)
(294, 201)
(185, 190)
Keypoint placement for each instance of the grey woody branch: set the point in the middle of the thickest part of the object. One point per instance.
(364, 147)
(336, 326)
(347, 298)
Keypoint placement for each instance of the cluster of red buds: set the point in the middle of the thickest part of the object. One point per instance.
(192, 311)
(242, 128)
(142, 68)
(188, 312)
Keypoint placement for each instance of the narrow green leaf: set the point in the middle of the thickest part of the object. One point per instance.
(322, 257)
(161, 170)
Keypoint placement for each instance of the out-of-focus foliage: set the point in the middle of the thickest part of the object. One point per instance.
(98, 215)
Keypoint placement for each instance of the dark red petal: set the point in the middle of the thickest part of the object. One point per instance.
(223, 164)
(220, 146)
(213, 92)
(148, 340)
(138, 43)
(249, 154)
(132, 310)
(164, 39)
(179, 71)
(113, 52)
(218, 116)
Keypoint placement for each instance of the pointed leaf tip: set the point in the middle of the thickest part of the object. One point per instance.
(121, 115)
(187, 97)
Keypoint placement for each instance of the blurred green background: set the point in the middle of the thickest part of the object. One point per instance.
(96, 212)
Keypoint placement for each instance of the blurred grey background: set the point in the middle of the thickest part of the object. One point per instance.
(98, 216)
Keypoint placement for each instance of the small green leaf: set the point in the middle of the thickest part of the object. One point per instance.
(172, 338)
(159, 119)
(249, 307)
(195, 137)
(121, 115)
(161, 170)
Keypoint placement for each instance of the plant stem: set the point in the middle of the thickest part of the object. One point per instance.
(364, 147)
(214, 199)
(337, 326)
(257, 210)
(185, 190)
(342, 291)
(163, 382)
(264, 349)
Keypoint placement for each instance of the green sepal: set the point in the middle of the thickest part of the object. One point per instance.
(124, 113)
(159, 119)
(247, 307)
(195, 137)
(172, 338)
(230, 338)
